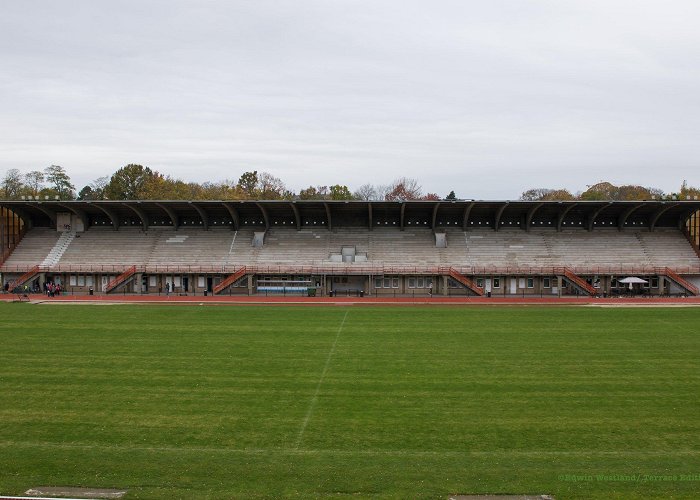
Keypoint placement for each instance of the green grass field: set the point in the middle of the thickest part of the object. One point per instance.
(335, 402)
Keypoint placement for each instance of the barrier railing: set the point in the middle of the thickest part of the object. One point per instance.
(24, 278)
(230, 280)
(120, 279)
(349, 269)
(576, 280)
(679, 280)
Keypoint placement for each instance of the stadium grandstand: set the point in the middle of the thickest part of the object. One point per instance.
(493, 248)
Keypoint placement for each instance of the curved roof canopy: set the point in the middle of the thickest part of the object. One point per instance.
(470, 214)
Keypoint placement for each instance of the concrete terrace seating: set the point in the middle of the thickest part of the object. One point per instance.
(481, 248)
(125, 247)
(191, 247)
(33, 249)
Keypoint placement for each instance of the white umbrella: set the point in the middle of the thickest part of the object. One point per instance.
(632, 280)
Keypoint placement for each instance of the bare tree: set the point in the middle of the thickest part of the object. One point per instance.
(34, 181)
(12, 184)
(366, 192)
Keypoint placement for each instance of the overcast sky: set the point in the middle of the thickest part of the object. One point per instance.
(486, 98)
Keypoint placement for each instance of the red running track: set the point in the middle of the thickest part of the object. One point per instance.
(259, 299)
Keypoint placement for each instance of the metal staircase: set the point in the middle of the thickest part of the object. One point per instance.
(230, 280)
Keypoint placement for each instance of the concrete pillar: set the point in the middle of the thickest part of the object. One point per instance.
(138, 283)
(250, 284)
(443, 287)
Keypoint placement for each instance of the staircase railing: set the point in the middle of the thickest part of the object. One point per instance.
(121, 279)
(679, 280)
(230, 280)
(462, 279)
(576, 280)
(24, 278)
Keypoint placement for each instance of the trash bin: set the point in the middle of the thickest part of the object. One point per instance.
(362, 293)
(488, 294)
(205, 293)
(91, 291)
(605, 295)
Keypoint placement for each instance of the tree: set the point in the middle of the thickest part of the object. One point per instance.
(248, 182)
(431, 197)
(366, 192)
(33, 182)
(314, 193)
(270, 187)
(95, 190)
(12, 184)
(339, 192)
(543, 194)
(128, 183)
(404, 189)
(451, 197)
(60, 182)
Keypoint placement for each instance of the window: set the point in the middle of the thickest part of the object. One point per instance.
(90, 281)
(72, 280)
(411, 282)
(497, 282)
(200, 282)
(420, 282)
(81, 280)
(547, 282)
(655, 282)
(480, 282)
(386, 282)
(531, 282)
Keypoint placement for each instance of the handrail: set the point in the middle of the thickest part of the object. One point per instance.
(24, 278)
(344, 268)
(576, 280)
(230, 280)
(669, 273)
(120, 279)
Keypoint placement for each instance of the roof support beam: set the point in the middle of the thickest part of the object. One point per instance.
(171, 213)
(623, 217)
(235, 218)
(24, 216)
(79, 213)
(328, 215)
(202, 215)
(655, 218)
(141, 215)
(499, 214)
(402, 219)
(435, 212)
(109, 212)
(562, 214)
(369, 210)
(465, 216)
(595, 214)
(263, 210)
(297, 218)
(531, 214)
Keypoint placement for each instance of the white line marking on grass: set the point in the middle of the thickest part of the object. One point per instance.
(318, 386)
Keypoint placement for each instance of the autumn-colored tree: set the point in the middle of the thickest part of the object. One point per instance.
(128, 183)
(404, 189)
(543, 194)
(431, 197)
(314, 193)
